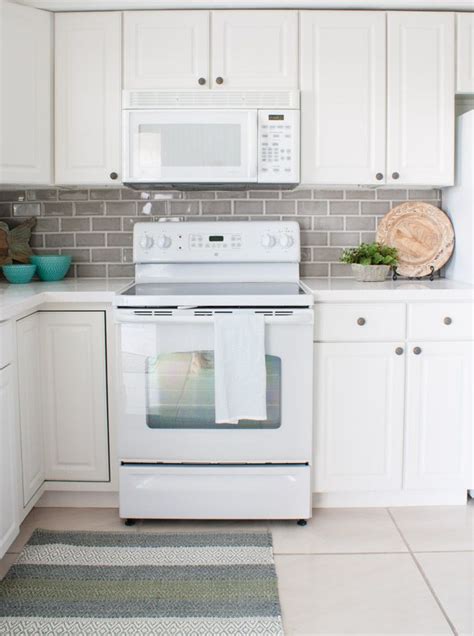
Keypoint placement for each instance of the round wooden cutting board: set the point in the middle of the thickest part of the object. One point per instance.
(422, 234)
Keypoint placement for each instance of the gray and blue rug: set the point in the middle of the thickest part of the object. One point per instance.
(101, 583)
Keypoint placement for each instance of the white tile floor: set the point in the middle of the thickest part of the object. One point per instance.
(402, 571)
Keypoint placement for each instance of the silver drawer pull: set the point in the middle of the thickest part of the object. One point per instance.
(399, 351)
(361, 321)
(417, 351)
(448, 320)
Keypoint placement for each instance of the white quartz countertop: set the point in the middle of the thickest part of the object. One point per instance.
(16, 299)
(349, 290)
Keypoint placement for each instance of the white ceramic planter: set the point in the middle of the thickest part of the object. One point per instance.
(370, 273)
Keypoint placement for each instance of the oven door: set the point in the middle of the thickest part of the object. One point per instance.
(189, 146)
(167, 391)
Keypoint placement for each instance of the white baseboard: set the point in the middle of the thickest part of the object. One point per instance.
(70, 499)
(384, 499)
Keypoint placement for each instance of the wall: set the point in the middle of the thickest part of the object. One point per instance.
(95, 225)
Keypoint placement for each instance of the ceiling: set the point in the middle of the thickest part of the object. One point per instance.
(111, 5)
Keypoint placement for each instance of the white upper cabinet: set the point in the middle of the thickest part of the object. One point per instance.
(465, 53)
(166, 49)
(358, 414)
(228, 49)
(30, 404)
(420, 67)
(75, 395)
(254, 49)
(25, 95)
(438, 442)
(343, 97)
(88, 97)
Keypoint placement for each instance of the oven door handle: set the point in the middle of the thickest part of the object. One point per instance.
(301, 317)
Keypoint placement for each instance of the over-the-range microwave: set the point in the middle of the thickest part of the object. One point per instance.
(211, 139)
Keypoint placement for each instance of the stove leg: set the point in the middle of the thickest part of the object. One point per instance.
(130, 522)
(301, 522)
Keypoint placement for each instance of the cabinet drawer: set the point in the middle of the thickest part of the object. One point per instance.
(440, 321)
(359, 322)
(6, 349)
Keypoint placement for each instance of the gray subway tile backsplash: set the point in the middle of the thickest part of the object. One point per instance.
(95, 225)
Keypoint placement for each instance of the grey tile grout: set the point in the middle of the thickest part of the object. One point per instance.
(423, 574)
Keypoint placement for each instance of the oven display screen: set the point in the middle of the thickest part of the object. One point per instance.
(276, 117)
(216, 238)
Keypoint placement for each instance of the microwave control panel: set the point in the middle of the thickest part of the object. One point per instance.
(278, 146)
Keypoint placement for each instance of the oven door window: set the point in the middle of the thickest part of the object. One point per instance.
(180, 392)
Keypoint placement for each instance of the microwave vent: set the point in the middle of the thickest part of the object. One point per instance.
(143, 99)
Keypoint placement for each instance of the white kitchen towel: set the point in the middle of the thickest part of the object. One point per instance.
(239, 367)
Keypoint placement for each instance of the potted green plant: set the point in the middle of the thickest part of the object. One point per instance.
(371, 262)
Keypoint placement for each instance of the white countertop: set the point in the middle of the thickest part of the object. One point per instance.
(16, 299)
(349, 290)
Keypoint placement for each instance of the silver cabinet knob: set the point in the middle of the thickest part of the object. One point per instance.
(447, 320)
(395, 175)
(113, 175)
(202, 81)
(379, 176)
(361, 321)
(399, 351)
(417, 351)
(219, 80)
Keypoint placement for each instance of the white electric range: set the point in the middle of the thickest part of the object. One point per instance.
(176, 461)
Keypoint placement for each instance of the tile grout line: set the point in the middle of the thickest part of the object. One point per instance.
(423, 575)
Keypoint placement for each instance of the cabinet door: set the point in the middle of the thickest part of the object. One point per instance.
(88, 97)
(343, 97)
(30, 404)
(166, 49)
(465, 53)
(75, 395)
(420, 137)
(438, 415)
(9, 495)
(25, 95)
(358, 406)
(254, 49)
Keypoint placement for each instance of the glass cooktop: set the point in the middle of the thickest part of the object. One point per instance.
(214, 289)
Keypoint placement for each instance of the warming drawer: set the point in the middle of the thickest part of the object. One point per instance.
(215, 492)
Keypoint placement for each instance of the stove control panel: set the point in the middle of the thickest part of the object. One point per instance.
(239, 241)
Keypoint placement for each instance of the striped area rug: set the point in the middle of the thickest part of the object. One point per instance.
(101, 583)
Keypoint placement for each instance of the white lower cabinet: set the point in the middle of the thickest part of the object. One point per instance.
(359, 398)
(30, 412)
(438, 415)
(74, 395)
(393, 420)
(9, 506)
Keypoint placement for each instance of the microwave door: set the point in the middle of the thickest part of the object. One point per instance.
(190, 146)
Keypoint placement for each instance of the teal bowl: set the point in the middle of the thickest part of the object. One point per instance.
(51, 266)
(19, 273)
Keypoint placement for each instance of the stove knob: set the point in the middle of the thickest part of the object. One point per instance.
(164, 241)
(146, 242)
(268, 240)
(286, 240)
